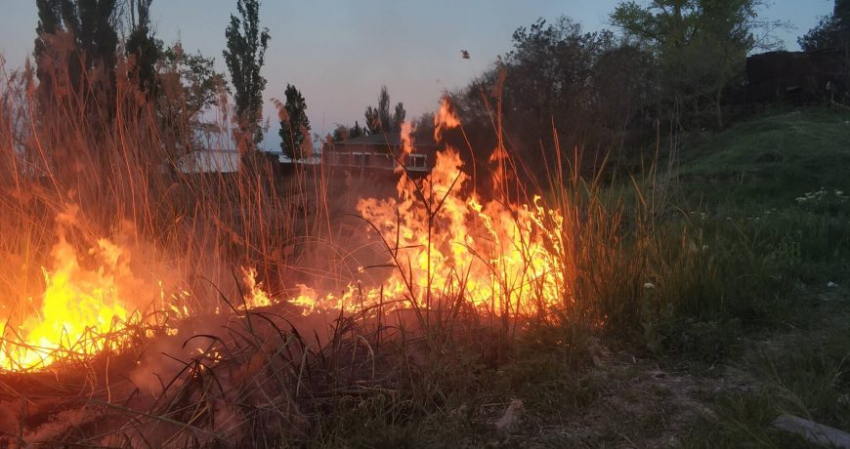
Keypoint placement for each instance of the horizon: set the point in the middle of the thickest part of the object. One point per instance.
(330, 56)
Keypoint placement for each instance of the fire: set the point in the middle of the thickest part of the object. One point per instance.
(80, 310)
(448, 244)
(255, 296)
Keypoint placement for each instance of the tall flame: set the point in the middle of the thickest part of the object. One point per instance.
(447, 244)
(79, 309)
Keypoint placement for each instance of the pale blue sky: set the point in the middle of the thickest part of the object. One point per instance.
(340, 52)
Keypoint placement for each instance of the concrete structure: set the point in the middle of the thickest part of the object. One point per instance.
(379, 153)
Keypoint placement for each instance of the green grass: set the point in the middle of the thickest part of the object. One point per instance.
(769, 161)
(706, 270)
(738, 271)
(767, 200)
(742, 244)
(802, 373)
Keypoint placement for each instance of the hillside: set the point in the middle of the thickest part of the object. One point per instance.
(770, 160)
(771, 195)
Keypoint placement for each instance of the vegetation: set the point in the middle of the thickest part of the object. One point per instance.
(831, 32)
(294, 124)
(143, 47)
(380, 119)
(701, 278)
(700, 45)
(245, 56)
(88, 27)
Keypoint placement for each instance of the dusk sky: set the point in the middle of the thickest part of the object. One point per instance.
(339, 53)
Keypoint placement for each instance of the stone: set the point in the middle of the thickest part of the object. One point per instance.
(812, 431)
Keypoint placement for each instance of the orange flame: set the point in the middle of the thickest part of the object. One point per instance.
(255, 296)
(80, 308)
(445, 244)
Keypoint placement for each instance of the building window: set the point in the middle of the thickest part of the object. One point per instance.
(416, 161)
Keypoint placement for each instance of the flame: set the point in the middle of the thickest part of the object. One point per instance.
(444, 119)
(406, 139)
(255, 296)
(448, 245)
(81, 312)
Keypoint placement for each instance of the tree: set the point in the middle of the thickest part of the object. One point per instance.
(294, 124)
(379, 119)
(831, 32)
(90, 26)
(357, 131)
(701, 45)
(548, 74)
(143, 49)
(343, 132)
(245, 56)
(187, 84)
(825, 35)
(398, 116)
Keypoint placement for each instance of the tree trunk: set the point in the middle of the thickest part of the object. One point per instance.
(719, 107)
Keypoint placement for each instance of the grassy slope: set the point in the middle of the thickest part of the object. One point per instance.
(755, 331)
(798, 364)
(770, 160)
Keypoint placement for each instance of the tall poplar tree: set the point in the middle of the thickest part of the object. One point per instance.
(294, 124)
(245, 56)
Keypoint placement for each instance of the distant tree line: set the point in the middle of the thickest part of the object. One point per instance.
(379, 119)
(668, 67)
(79, 58)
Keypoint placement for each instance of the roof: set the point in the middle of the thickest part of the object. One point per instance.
(392, 139)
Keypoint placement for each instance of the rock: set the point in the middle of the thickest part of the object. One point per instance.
(770, 156)
(598, 352)
(510, 420)
(812, 431)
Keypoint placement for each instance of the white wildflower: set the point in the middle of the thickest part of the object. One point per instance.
(649, 285)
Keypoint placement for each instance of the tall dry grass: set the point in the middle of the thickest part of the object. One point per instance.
(112, 170)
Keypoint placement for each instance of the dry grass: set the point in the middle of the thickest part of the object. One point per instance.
(269, 377)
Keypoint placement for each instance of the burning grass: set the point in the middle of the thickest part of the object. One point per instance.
(191, 310)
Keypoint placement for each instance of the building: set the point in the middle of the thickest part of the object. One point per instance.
(209, 161)
(379, 153)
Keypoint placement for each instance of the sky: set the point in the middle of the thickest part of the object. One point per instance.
(339, 53)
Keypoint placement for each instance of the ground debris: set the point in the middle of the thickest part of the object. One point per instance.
(510, 419)
(812, 431)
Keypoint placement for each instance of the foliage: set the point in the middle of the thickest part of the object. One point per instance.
(831, 32)
(245, 56)
(89, 26)
(825, 35)
(701, 45)
(342, 132)
(380, 120)
(294, 124)
(800, 374)
(143, 48)
(187, 85)
(583, 90)
(746, 257)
